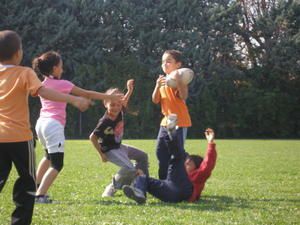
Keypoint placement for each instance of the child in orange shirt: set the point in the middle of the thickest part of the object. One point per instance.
(16, 140)
(172, 101)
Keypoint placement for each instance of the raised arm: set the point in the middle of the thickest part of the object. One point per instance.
(130, 87)
(210, 135)
(209, 161)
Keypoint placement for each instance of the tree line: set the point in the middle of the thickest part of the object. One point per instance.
(245, 55)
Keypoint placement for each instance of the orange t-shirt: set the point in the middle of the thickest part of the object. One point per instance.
(16, 83)
(171, 103)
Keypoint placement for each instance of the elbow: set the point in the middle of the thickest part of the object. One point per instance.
(42, 92)
(183, 96)
(155, 101)
(92, 137)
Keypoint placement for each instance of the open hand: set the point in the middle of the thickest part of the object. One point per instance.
(81, 103)
(116, 97)
(130, 85)
(210, 135)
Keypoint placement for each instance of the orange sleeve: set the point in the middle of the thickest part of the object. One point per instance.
(32, 82)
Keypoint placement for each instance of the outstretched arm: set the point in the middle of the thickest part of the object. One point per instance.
(130, 87)
(81, 103)
(95, 95)
(209, 161)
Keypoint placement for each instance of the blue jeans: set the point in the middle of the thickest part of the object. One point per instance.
(176, 187)
(162, 152)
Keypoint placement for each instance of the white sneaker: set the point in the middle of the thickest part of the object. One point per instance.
(109, 191)
(135, 194)
(171, 124)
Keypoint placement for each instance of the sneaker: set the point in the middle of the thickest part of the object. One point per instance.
(171, 122)
(44, 199)
(134, 193)
(109, 191)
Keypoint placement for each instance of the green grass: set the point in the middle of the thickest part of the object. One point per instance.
(254, 182)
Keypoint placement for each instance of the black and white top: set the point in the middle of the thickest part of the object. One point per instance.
(110, 132)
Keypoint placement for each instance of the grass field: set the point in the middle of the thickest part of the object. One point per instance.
(254, 182)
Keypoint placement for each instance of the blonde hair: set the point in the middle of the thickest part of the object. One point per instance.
(111, 91)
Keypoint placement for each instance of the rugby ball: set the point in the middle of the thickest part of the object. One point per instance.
(185, 74)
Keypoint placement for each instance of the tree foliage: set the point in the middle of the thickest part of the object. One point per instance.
(245, 55)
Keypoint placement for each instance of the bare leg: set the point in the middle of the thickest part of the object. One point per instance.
(47, 180)
(41, 170)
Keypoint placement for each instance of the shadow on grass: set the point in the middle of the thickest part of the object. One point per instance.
(206, 203)
(210, 203)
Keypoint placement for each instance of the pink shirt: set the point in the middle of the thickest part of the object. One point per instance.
(51, 109)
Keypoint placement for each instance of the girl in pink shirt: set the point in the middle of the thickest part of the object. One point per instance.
(52, 120)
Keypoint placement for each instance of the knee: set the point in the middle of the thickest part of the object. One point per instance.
(57, 165)
(143, 158)
(57, 161)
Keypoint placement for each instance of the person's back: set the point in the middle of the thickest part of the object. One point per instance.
(16, 140)
(16, 144)
(16, 83)
(52, 109)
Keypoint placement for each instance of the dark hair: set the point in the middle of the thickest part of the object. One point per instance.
(177, 55)
(10, 43)
(196, 159)
(43, 65)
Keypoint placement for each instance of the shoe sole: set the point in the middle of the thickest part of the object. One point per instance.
(130, 194)
(43, 202)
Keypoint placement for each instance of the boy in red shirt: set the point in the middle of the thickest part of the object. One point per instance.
(186, 176)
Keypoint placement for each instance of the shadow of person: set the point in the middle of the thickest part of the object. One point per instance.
(206, 203)
(209, 203)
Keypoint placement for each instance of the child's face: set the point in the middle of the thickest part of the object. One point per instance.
(169, 64)
(58, 70)
(189, 165)
(113, 108)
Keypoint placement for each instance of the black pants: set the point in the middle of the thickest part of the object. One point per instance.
(162, 152)
(22, 155)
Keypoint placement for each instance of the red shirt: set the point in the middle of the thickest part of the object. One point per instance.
(199, 176)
